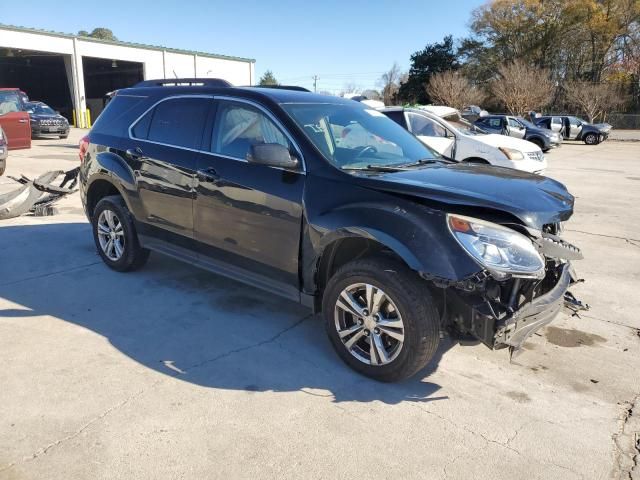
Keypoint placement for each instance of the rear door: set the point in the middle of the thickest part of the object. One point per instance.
(14, 121)
(249, 215)
(575, 127)
(164, 146)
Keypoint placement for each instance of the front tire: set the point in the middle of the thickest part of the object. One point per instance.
(591, 139)
(381, 319)
(115, 235)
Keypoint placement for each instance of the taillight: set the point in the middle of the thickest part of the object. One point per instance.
(84, 146)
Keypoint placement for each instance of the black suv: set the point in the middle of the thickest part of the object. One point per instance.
(326, 202)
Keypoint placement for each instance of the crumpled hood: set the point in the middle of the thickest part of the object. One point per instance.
(496, 140)
(534, 199)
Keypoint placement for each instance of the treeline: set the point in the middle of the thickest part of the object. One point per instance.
(530, 55)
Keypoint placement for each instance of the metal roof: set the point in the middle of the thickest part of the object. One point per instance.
(122, 44)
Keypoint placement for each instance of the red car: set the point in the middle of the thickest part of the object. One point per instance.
(13, 119)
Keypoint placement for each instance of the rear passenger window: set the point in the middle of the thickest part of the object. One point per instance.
(141, 129)
(239, 126)
(178, 122)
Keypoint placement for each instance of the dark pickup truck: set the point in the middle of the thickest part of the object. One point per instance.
(323, 201)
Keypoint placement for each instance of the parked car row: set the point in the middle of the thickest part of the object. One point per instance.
(336, 205)
(21, 120)
(519, 127)
(574, 128)
(444, 130)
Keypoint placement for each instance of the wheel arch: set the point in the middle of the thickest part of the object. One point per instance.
(112, 176)
(342, 247)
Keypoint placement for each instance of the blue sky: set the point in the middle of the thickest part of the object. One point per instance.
(341, 42)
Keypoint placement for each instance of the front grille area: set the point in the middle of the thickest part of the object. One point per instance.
(537, 156)
(55, 122)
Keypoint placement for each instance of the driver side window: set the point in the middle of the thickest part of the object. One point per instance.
(239, 126)
(514, 123)
(9, 102)
(421, 125)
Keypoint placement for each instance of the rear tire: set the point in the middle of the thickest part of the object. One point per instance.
(115, 235)
(404, 309)
(3, 167)
(62, 137)
(591, 139)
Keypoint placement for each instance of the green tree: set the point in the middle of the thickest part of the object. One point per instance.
(268, 79)
(436, 57)
(100, 32)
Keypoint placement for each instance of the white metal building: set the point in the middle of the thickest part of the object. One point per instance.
(72, 74)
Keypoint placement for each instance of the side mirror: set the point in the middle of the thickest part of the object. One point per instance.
(272, 154)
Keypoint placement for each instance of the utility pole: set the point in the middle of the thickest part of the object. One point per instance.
(315, 83)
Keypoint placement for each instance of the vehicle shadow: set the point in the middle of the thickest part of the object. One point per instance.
(184, 322)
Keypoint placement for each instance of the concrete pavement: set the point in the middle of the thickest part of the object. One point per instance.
(172, 372)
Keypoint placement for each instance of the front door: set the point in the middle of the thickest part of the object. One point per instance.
(515, 128)
(247, 215)
(431, 133)
(14, 121)
(163, 154)
(575, 128)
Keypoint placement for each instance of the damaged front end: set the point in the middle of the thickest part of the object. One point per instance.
(503, 310)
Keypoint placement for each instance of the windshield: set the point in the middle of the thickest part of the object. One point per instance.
(41, 109)
(462, 125)
(352, 137)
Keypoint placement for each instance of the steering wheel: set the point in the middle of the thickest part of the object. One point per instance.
(368, 148)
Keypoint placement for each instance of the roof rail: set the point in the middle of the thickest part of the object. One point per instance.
(284, 87)
(184, 82)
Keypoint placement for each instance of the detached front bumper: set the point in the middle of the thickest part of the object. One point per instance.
(498, 326)
(514, 330)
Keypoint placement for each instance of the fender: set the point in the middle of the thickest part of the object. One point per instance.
(113, 165)
(109, 166)
(416, 233)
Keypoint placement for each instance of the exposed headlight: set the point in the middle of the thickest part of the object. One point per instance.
(512, 153)
(502, 251)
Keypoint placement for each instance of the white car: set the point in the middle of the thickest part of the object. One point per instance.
(444, 130)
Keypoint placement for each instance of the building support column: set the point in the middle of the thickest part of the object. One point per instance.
(79, 104)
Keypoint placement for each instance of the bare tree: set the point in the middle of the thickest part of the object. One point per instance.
(390, 83)
(454, 90)
(594, 99)
(350, 88)
(521, 88)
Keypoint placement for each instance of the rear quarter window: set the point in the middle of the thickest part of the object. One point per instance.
(118, 115)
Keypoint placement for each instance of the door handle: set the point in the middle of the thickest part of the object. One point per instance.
(23, 120)
(134, 153)
(208, 175)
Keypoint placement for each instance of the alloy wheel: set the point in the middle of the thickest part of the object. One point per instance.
(110, 235)
(369, 324)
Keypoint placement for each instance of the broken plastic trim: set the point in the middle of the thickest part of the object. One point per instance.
(37, 196)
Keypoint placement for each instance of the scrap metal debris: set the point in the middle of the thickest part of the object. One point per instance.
(37, 196)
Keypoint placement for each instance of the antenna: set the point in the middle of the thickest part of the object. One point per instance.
(315, 82)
